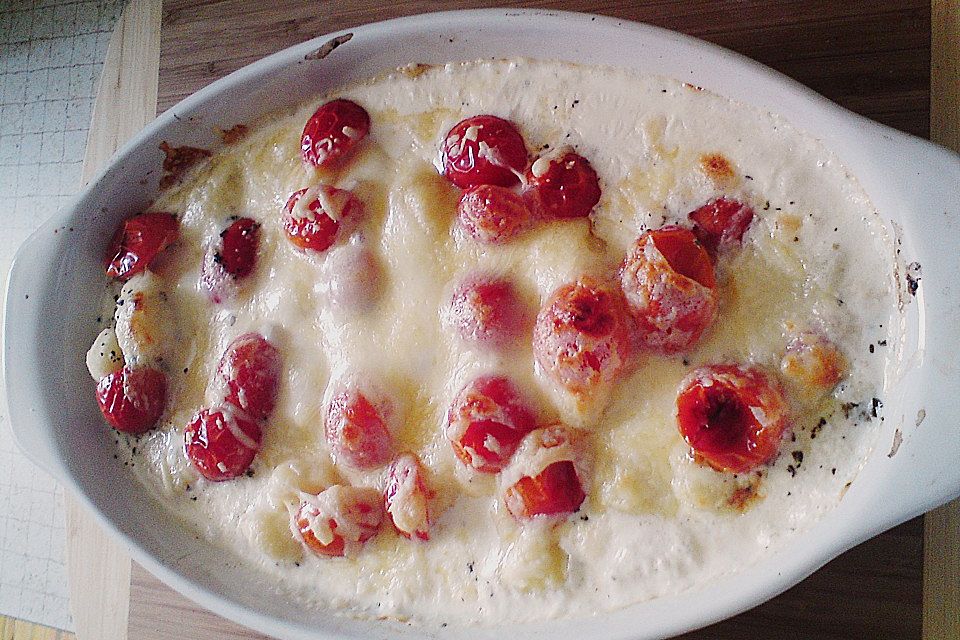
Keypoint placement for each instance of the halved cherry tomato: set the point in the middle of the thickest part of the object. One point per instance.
(232, 258)
(812, 361)
(332, 131)
(549, 483)
(132, 399)
(565, 186)
(493, 214)
(721, 223)
(336, 522)
(486, 422)
(316, 218)
(667, 279)
(733, 417)
(407, 497)
(250, 368)
(483, 150)
(357, 431)
(582, 337)
(138, 241)
(486, 311)
(221, 442)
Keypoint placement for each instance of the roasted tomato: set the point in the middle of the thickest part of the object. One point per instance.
(493, 214)
(221, 442)
(138, 241)
(543, 479)
(812, 362)
(250, 369)
(337, 522)
(357, 428)
(315, 218)
(667, 279)
(483, 150)
(231, 259)
(721, 223)
(407, 497)
(486, 422)
(733, 417)
(332, 131)
(486, 311)
(564, 186)
(582, 337)
(132, 399)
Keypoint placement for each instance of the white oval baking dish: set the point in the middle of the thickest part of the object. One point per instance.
(57, 273)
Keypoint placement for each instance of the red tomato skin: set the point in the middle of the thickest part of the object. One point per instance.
(467, 163)
(486, 312)
(408, 467)
(138, 241)
(721, 223)
(555, 491)
(230, 260)
(362, 507)
(488, 407)
(221, 443)
(325, 139)
(581, 339)
(250, 369)
(669, 285)
(492, 214)
(357, 431)
(569, 188)
(319, 232)
(133, 398)
(717, 414)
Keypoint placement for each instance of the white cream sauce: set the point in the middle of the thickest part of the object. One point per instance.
(654, 523)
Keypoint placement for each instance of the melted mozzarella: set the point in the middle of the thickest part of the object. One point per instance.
(655, 522)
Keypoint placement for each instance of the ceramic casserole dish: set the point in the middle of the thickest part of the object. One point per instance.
(57, 274)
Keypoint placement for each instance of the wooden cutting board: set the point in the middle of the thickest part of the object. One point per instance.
(873, 58)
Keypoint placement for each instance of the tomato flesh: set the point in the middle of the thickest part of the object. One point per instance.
(486, 312)
(554, 491)
(334, 129)
(567, 188)
(250, 368)
(138, 241)
(406, 497)
(582, 337)
(483, 149)
(486, 422)
(669, 284)
(733, 417)
(221, 443)
(310, 227)
(132, 399)
(721, 223)
(349, 516)
(492, 214)
(357, 432)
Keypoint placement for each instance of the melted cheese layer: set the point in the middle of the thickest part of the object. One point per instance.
(654, 522)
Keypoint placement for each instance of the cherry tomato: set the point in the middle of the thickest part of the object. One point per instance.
(138, 241)
(721, 223)
(733, 417)
(543, 479)
(221, 442)
(316, 218)
(250, 369)
(336, 522)
(407, 497)
(564, 187)
(813, 362)
(486, 311)
(493, 214)
(486, 422)
(132, 399)
(231, 259)
(483, 150)
(332, 131)
(357, 430)
(668, 282)
(581, 339)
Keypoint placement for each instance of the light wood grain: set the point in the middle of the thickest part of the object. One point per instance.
(98, 566)
(941, 554)
(12, 629)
